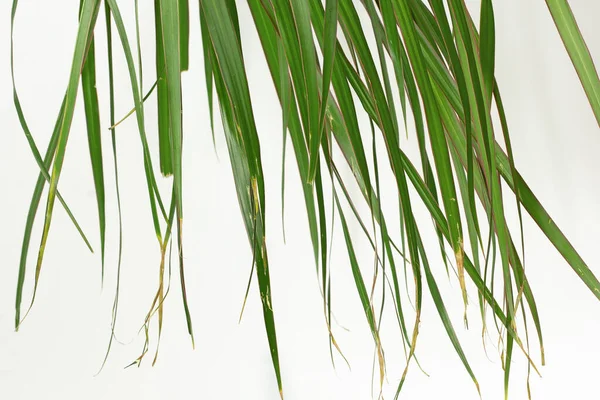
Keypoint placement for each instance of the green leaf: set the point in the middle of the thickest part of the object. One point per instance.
(170, 15)
(89, 13)
(184, 34)
(362, 291)
(244, 152)
(441, 309)
(547, 225)
(488, 47)
(578, 51)
(443, 68)
(329, 46)
(164, 119)
(43, 177)
(437, 138)
(111, 94)
(266, 26)
(92, 117)
(153, 192)
(208, 72)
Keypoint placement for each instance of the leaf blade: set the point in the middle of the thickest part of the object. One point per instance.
(578, 51)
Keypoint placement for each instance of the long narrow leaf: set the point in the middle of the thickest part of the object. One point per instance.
(578, 51)
(92, 117)
(244, 151)
(89, 14)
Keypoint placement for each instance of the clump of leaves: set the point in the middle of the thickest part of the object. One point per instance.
(429, 55)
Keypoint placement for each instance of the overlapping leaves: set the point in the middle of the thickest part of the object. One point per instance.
(432, 57)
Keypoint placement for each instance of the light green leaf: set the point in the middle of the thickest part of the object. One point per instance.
(578, 51)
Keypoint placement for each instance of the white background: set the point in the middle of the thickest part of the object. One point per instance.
(62, 343)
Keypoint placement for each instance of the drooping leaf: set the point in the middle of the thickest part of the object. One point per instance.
(244, 152)
(578, 51)
(92, 117)
(89, 13)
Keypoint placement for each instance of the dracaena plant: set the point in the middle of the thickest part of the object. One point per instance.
(425, 61)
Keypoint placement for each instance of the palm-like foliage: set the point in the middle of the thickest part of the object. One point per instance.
(429, 62)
